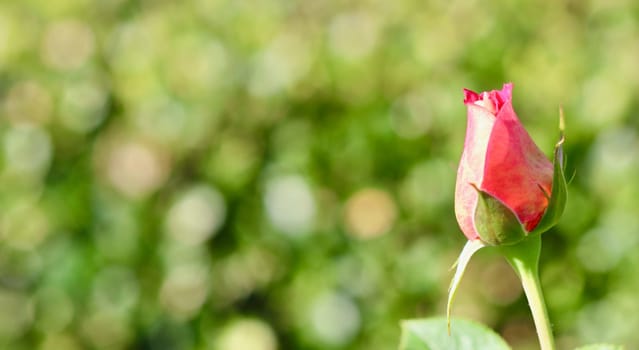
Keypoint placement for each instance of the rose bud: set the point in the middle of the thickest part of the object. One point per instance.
(504, 182)
(507, 191)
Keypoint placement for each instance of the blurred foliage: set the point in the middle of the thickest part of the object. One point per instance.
(259, 175)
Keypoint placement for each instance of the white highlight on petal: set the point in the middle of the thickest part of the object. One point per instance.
(486, 102)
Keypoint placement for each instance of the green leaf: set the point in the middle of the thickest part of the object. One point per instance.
(601, 347)
(559, 191)
(496, 224)
(470, 248)
(431, 334)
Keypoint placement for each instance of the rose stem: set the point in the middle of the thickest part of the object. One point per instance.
(524, 258)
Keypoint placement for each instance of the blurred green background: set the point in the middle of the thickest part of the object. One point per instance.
(260, 175)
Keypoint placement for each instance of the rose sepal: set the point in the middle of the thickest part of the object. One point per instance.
(559, 192)
(495, 223)
(470, 248)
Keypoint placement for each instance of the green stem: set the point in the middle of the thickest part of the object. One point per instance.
(524, 258)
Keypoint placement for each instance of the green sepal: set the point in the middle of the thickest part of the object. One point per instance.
(495, 223)
(559, 193)
(460, 265)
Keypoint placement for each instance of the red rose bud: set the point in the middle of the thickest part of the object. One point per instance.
(504, 181)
